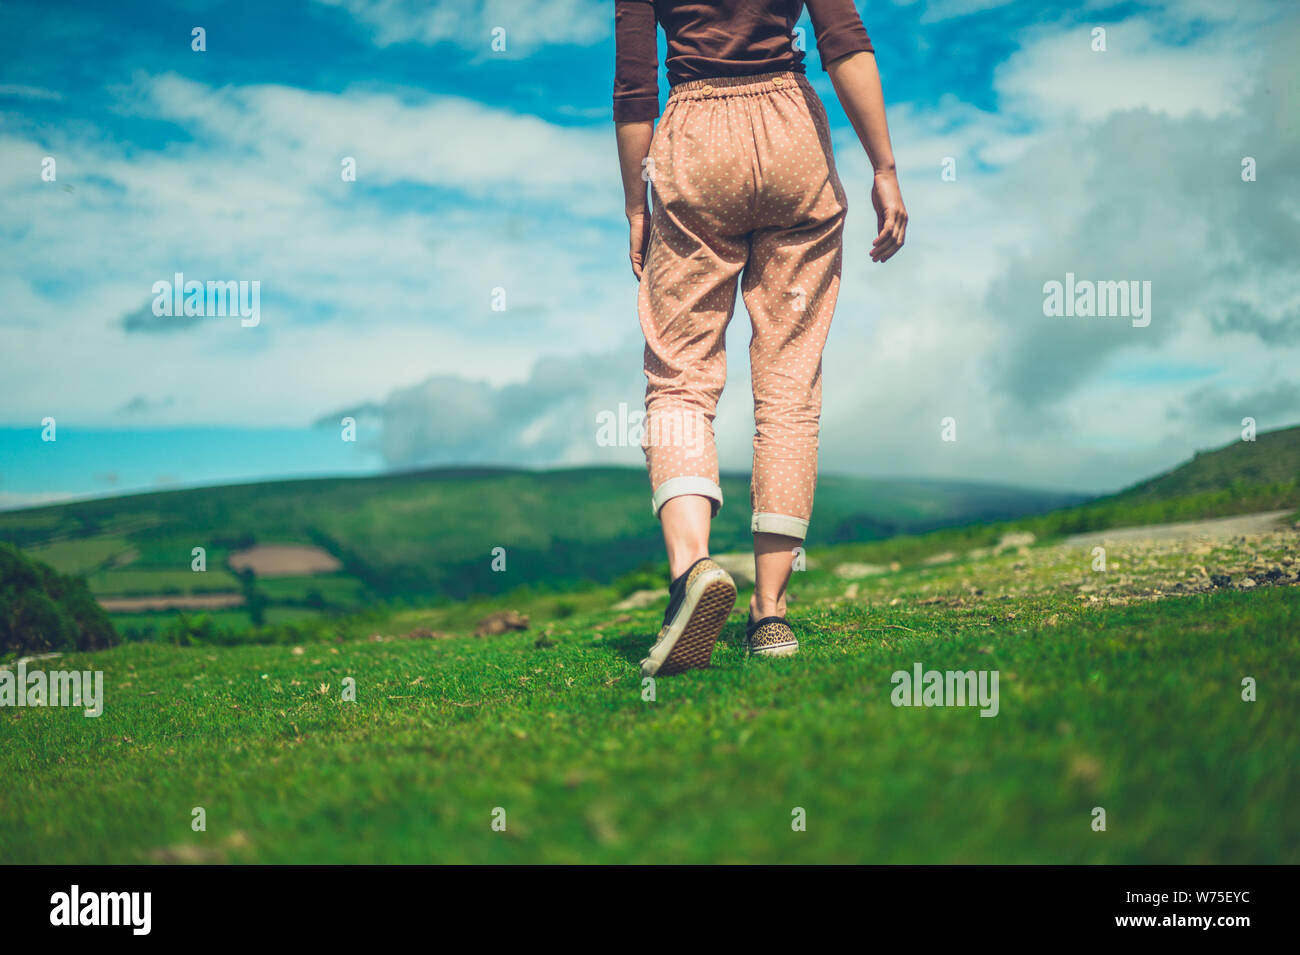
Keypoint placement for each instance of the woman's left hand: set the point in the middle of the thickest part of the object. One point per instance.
(891, 216)
(638, 239)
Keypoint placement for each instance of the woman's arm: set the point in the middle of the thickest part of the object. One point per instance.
(857, 84)
(633, 147)
(636, 104)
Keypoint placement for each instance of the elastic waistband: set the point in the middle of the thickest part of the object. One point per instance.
(751, 85)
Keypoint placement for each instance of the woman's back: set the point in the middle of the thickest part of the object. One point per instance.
(724, 38)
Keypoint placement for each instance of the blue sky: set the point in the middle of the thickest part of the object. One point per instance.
(560, 71)
(479, 170)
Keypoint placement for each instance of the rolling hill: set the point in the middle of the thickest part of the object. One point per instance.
(433, 533)
(1272, 458)
(427, 535)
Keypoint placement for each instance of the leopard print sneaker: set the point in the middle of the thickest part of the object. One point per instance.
(771, 637)
(699, 602)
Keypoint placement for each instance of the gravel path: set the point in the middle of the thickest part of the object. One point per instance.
(1219, 528)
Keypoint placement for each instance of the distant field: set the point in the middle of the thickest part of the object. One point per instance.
(334, 589)
(269, 561)
(331, 545)
(185, 602)
(83, 556)
(430, 536)
(139, 583)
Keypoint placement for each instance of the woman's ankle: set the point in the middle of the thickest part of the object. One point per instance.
(760, 607)
(685, 522)
(680, 564)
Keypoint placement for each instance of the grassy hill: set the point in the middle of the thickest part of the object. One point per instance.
(1121, 688)
(1239, 478)
(421, 536)
(432, 533)
(1273, 458)
(1112, 694)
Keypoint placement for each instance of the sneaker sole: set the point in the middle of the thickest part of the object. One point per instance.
(781, 650)
(704, 613)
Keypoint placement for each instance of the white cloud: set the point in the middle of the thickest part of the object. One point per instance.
(1057, 76)
(953, 326)
(365, 285)
(470, 24)
(19, 91)
(408, 137)
(938, 10)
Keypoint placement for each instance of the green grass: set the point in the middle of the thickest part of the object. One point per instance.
(1113, 694)
(80, 556)
(1133, 708)
(148, 583)
(1272, 458)
(334, 589)
(129, 624)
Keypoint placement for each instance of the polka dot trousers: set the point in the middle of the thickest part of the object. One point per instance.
(743, 186)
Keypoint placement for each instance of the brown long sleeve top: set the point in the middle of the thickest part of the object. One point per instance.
(723, 38)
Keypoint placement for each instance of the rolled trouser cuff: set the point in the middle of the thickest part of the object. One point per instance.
(676, 487)
(781, 524)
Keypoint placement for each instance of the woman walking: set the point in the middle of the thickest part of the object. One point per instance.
(744, 190)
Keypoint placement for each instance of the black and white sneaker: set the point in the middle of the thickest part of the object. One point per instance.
(699, 602)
